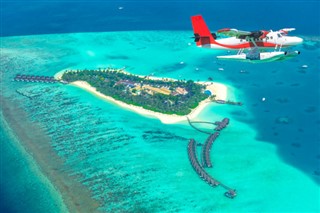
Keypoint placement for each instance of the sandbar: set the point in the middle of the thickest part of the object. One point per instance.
(33, 141)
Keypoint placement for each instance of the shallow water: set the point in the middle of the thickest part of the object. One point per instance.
(134, 163)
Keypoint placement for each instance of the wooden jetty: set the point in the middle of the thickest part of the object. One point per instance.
(221, 124)
(190, 123)
(205, 154)
(228, 102)
(230, 193)
(35, 78)
(196, 165)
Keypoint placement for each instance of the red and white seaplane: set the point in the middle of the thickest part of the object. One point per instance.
(241, 40)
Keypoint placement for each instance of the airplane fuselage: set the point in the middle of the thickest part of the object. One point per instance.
(272, 40)
(240, 40)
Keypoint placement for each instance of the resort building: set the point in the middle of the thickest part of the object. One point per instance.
(126, 83)
(181, 91)
(161, 90)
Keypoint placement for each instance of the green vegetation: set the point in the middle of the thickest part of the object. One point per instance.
(164, 96)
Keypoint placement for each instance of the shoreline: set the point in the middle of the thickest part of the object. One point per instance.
(43, 159)
(219, 89)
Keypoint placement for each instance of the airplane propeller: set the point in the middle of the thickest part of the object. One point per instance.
(197, 36)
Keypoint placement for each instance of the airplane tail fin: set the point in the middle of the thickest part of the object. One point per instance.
(201, 31)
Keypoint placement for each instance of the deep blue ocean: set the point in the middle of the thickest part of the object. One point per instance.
(54, 17)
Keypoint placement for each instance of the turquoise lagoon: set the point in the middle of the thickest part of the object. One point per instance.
(134, 163)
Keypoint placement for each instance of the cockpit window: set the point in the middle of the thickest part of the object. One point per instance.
(279, 36)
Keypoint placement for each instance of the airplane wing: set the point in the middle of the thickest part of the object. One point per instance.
(243, 34)
(287, 30)
(233, 32)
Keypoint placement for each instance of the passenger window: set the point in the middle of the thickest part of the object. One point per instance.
(271, 37)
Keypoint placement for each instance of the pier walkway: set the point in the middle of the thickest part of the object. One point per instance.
(196, 165)
(228, 102)
(35, 78)
(205, 157)
(221, 124)
(190, 123)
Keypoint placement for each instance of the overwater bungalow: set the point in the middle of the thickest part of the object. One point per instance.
(230, 194)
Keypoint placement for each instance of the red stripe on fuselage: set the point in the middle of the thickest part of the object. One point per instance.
(245, 45)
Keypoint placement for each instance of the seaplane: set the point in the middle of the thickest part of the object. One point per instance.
(251, 45)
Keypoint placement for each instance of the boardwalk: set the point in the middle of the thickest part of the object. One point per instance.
(34, 78)
(205, 154)
(219, 125)
(222, 124)
(190, 123)
(228, 102)
(196, 165)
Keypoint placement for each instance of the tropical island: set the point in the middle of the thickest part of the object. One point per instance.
(171, 98)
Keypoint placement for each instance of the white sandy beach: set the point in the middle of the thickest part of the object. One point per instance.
(220, 90)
